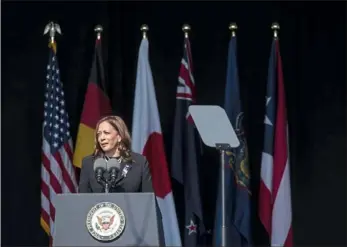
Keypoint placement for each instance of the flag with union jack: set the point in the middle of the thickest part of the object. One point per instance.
(184, 163)
(57, 172)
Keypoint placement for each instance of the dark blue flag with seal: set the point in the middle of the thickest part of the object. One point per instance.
(237, 173)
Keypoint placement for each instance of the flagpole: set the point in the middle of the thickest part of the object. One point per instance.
(144, 28)
(233, 28)
(98, 29)
(275, 27)
(186, 28)
(222, 149)
(52, 28)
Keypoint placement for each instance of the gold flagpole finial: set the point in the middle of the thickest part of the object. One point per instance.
(233, 28)
(98, 29)
(186, 28)
(275, 27)
(144, 29)
(52, 28)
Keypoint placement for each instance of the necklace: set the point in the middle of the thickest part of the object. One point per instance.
(119, 159)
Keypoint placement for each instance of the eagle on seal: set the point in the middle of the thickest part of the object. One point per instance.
(105, 221)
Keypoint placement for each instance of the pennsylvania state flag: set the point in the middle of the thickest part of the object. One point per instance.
(237, 175)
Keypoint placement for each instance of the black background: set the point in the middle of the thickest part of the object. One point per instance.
(312, 42)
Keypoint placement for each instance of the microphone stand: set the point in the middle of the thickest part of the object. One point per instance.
(106, 187)
(104, 183)
(114, 178)
(114, 182)
(111, 182)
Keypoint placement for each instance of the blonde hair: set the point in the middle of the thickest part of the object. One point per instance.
(124, 146)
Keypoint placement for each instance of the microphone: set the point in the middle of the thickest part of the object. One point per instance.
(113, 167)
(99, 169)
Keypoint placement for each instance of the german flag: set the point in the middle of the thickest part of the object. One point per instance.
(96, 105)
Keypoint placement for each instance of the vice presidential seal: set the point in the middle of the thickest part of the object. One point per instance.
(105, 221)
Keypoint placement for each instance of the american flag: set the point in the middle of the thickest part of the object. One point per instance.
(57, 172)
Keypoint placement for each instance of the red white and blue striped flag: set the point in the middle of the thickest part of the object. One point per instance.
(275, 209)
(57, 172)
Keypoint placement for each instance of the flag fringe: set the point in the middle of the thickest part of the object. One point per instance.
(45, 226)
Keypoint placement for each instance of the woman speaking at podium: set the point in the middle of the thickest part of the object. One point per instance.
(113, 167)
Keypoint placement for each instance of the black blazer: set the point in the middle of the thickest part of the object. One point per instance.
(137, 179)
